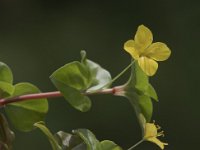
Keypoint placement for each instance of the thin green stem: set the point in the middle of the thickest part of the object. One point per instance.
(120, 74)
(138, 143)
(114, 79)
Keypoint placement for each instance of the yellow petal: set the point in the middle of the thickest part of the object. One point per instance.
(157, 142)
(143, 37)
(131, 48)
(151, 135)
(150, 130)
(158, 51)
(149, 66)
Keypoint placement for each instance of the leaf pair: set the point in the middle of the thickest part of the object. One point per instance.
(75, 78)
(24, 114)
(139, 92)
(81, 139)
(21, 114)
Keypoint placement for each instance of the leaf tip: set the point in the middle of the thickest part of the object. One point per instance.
(83, 55)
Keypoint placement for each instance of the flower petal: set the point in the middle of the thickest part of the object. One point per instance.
(158, 51)
(151, 135)
(131, 48)
(143, 37)
(149, 66)
(150, 130)
(157, 142)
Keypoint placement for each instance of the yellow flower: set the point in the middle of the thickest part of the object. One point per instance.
(145, 52)
(151, 133)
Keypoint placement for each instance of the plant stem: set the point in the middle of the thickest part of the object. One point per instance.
(121, 73)
(139, 142)
(53, 94)
(115, 78)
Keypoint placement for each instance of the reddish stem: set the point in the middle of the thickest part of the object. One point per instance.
(53, 94)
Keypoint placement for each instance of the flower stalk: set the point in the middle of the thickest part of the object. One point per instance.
(138, 143)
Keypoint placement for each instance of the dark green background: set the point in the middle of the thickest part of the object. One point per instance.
(37, 37)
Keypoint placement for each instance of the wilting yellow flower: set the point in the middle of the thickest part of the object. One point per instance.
(151, 133)
(145, 52)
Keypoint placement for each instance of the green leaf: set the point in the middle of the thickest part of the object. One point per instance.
(45, 130)
(73, 74)
(5, 73)
(75, 78)
(24, 114)
(83, 139)
(109, 145)
(151, 92)
(6, 89)
(73, 96)
(68, 141)
(146, 106)
(6, 135)
(140, 81)
(89, 138)
(139, 92)
(6, 80)
(142, 105)
(71, 80)
(81, 146)
(99, 76)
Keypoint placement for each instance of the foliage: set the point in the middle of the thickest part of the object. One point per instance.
(26, 107)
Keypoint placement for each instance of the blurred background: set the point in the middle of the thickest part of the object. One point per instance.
(38, 36)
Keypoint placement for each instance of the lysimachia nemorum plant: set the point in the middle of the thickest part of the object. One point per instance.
(25, 106)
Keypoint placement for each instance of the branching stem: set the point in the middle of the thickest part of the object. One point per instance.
(120, 74)
(54, 94)
(123, 71)
(118, 90)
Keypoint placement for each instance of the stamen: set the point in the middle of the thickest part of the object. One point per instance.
(158, 127)
(161, 134)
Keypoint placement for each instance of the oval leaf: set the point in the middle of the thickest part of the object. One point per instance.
(139, 92)
(5, 73)
(139, 79)
(6, 89)
(24, 114)
(142, 105)
(140, 82)
(68, 141)
(71, 80)
(109, 145)
(73, 96)
(99, 76)
(89, 138)
(73, 74)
